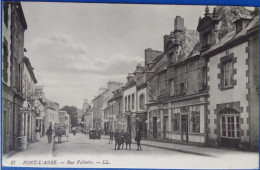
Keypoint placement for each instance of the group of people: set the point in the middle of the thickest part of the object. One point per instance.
(58, 133)
(125, 138)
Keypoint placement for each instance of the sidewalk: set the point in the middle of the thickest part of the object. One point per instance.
(190, 149)
(39, 148)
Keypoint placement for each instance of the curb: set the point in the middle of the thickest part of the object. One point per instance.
(51, 150)
(172, 149)
(5, 156)
(178, 150)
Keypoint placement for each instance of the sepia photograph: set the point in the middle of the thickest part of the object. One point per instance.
(144, 86)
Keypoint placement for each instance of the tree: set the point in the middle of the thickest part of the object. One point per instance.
(72, 111)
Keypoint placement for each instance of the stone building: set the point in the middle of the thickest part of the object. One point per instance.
(113, 113)
(14, 25)
(28, 117)
(207, 94)
(40, 103)
(88, 120)
(233, 81)
(100, 103)
(177, 91)
(64, 121)
(129, 104)
(51, 115)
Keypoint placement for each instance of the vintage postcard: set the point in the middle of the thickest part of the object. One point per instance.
(95, 85)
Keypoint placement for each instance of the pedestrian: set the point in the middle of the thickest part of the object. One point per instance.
(128, 140)
(74, 130)
(49, 134)
(122, 139)
(111, 136)
(117, 140)
(58, 134)
(138, 138)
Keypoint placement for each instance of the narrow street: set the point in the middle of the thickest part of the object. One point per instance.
(80, 144)
(80, 151)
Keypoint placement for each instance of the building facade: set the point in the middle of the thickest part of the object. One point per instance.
(129, 104)
(233, 81)
(88, 121)
(64, 121)
(177, 91)
(100, 103)
(14, 26)
(28, 114)
(51, 115)
(40, 102)
(113, 113)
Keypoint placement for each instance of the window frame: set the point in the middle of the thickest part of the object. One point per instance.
(231, 71)
(230, 113)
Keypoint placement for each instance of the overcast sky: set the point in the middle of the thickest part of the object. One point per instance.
(76, 48)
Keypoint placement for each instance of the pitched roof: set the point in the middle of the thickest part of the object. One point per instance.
(232, 36)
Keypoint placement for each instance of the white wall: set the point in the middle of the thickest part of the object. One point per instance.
(139, 92)
(126, 93)
(238, 93)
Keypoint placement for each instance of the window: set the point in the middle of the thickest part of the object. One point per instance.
(195, 121)
(5, 62)
(172, 88)
(182, 88)
(5, 5)
(227, 73)
(162, 83)
(125, 103)
(133, 101)
(230, 123)
(119, 106)
(128, 103)
(141, 102)
(175, 120)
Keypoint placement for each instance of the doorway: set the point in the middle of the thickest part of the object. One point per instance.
(184, 128)
(155, 127)
(165, 126)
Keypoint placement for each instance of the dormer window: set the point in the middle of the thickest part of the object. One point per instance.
(241, 23)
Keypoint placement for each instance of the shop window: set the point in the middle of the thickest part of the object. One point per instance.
(175, 120)
(195, 121)
(230, 124)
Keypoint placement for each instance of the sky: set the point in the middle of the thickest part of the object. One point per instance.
(76, 48)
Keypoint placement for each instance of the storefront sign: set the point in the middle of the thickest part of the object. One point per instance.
(128, 113)
(24, 109)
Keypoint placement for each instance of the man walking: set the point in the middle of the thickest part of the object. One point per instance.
(117, 140)
(111, 136)
(138, 138)
(49, 134)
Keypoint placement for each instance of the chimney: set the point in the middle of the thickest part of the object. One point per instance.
(178, 24)
(130, 77)
(166, 38)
